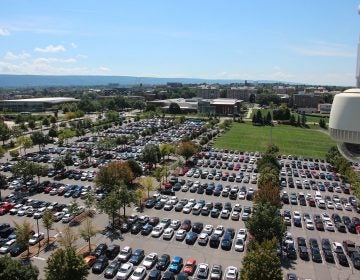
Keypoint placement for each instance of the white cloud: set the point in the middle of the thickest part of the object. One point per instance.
(73, 45)
(51, 49)
(11, 56)
(82, 56)
(49, 60)
(4, 32)
(324, 49)
(104, 69)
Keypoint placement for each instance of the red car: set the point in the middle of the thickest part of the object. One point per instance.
(48, 189)
(190, 266)
(311, 202)
(5, 208)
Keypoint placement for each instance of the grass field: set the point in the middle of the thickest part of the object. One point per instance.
(290, 140)
(310, 119)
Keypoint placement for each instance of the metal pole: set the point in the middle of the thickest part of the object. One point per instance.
(38, 231)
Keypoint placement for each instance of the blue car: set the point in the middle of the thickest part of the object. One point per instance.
(322, 188)
(176, 264)
(137, 257)
(191, 238)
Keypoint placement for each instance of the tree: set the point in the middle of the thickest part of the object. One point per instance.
(68, 160)
(23, 234)
(148, 183)
(38, 138)
(268, 118)
(74, 207)
(292, 120)
(3, 184)
(58, 164)
(114, 173)
(151, 155)
(16, 269)
(110, 205)
(65, 134)
(48, 221)
(303, 119)
(268, 193)
(14, 153)
(67, 238)
(31, 124)
(89, 201)
(88, 231)
(65, 264)
(125, 196)
(266, 223)
(40, 170)
(5, 132)
(331, 155)
(261, 262)
(272, 149)
(53, 119)
(187, 149)
(45, 122)
(2, 152)
(25, 169)
(135, 167)
(25, 142)
(139, 194)
(53, 131)
(174, 108)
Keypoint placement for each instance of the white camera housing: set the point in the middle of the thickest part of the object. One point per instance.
(344, 124)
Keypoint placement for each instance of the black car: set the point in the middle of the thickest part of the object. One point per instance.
(100, 264)
(125, 227)
(154, 221)
(163, 262)
(355, 258)
(230, 231)
(328, 255)
(315, 255)
(4, 226)
(112, 269)
(168, 275)
(191, 238)
(342, 259)
(17, 249)
(179, 207)
(100, 250)
(136, 228)
(303, 253)
(325, 244)
(182, 276)
(154, 275)
(214, 241)
(159, 205)
(291, 251)
(214, 213)
(197, 227)
(137, 256)
(150, 203)
(4, 233)
(112, 251)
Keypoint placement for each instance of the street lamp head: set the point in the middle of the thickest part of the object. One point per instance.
(359, 9)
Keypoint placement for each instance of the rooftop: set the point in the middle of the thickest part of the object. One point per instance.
(225, 101)
(53, 100)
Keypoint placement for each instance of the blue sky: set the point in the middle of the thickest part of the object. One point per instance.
(307, 41)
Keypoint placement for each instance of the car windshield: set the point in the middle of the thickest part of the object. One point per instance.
(124, 269)
(138, 272)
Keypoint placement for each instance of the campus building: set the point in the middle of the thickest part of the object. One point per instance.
(33, 104)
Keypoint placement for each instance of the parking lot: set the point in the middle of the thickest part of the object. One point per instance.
(217, 179)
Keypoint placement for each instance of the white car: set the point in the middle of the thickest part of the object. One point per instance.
(325, 217)
(180, 234)
(225, 214)
(125, 254)
(296, 215)
(175, 224)
(168, 233)
(245, 216)
(242, 195)
(66, 219)
(289, 238)
(36, 238)
(219, 230)
(139, 273)
(329, 226)
(184, 188)
(309, 224)
(208, 229)
(338, 206)
(124, 271)
(22, 210)
(235, 215)
(187, 208)
(58, 216)
(150, 260)
(348, 207)
(231, 273)
(6, 247)
(202, 271)
(330, 205)
(336, 246)
(239, 244)
(157, 231)
(15, 209)
(242, 233)
(203, 239)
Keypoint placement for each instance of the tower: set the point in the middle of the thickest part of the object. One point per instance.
(358, 67)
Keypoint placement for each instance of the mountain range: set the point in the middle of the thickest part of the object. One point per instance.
(17, 81)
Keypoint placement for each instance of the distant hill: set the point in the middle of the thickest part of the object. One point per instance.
(46, 81)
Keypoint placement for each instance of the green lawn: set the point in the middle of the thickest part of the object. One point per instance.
(290, 140)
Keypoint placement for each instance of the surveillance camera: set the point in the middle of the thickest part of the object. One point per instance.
(344, 124)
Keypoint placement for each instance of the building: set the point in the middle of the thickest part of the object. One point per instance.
(306, 100)
(243, 93)
(34, 104)
(186, 105)
(324, 108)
(220, 106)
(208, 92)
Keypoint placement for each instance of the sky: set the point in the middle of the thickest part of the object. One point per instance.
(302, 41)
